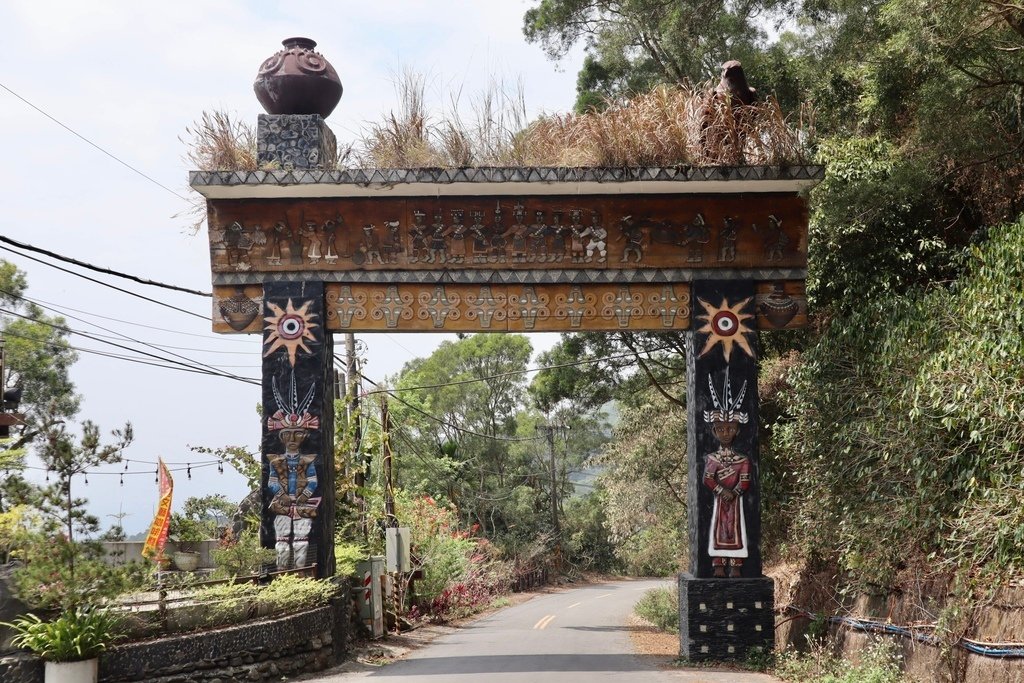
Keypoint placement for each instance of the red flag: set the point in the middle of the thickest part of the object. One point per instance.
(157, 537)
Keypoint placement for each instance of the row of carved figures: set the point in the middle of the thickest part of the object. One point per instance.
(455, 241)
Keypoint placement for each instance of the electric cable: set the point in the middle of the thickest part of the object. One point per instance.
(100, 269)
(105, 284)
(93, 144)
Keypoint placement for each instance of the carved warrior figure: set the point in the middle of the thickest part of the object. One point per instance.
(278, 234)
(457, 232)
(776, 241)
(727, 241)
(518, 233)
(538, 238)
(292, 480)
(727, 473)
(418, 237)
(392, 247)
(577, 233)
(239, 243)
(438, 245)
(558, 235)
(697, 235)
(597, 242)
(370, 248)
(330, 235)
(481, 243)
(313, 240)
(633, 233)
(498, 241)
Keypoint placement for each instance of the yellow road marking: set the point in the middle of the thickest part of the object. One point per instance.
(543, 623)
(575, 604)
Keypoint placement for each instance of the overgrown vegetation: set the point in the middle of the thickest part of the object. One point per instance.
(879, 663)
(668, 126)
(660, 606)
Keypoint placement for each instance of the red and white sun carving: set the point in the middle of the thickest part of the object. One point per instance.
(289, 328)
(726, 325)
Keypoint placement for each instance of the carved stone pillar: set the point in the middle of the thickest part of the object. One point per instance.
(298, 427)
(726, 605)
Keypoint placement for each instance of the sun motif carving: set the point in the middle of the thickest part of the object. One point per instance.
(289, 328)
(726, 325)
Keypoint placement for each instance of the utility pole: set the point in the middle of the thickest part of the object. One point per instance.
(389, 483)
(556, 525)
(352, 394)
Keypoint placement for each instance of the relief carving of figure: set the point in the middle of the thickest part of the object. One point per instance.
(370, 248)
(392, 246)
(538, 238)
(330, 235)
(239, 243)
(559, 233)
(727, 240)
(278, 234)
(311, 237)
(597, 244)
(775, 239)
(457, 232)
(418, 237)
(292, 480)
(498, 241)
(576, 234)
(518, 232)
(481, 244)
(697, 235)
(633, 233)
(438, 243)
(727, 473)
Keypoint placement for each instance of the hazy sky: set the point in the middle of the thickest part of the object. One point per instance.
(130, 76)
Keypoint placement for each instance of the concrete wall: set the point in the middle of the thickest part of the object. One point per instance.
(123, 552)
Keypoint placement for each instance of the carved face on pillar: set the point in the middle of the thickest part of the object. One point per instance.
(292, 440)
(725, 432)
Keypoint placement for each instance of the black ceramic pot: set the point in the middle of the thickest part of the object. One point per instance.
(298, 80)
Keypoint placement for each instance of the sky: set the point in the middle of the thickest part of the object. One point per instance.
(129, 77)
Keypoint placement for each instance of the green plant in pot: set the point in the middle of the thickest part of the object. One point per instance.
(71, 644)
(187, 533)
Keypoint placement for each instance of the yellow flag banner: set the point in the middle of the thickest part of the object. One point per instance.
(156, 539)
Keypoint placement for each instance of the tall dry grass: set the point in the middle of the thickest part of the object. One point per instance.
(668, 126)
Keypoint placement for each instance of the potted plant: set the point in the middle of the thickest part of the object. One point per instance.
(71, 644)
(187, 533)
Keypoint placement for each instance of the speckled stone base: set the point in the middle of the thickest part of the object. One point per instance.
(724, 620)
(294, 141)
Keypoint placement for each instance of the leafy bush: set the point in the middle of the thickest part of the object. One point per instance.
(485, 576)
(660, 606)
(906, 437)
(347, 555)
(291, 593)
(75, 635)
(241, 556)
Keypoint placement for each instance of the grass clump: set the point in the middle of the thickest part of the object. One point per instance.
(669, 126)
(660, 606)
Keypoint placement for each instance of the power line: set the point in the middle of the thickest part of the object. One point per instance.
(93, 144)
(198, 367)
(120, 335)
(105, 284)
(100, 269)
(61, 308)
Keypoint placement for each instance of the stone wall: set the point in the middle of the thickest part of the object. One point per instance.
(1001, 620)
(258, 651)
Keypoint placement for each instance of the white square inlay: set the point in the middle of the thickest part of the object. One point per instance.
(757, 605)
(730, 627)
(728, 605)
(703, 607)
(703, 628)
(703, 648)
(732, 649)
(757, 627)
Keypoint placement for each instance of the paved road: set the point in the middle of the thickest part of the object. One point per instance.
(575, 635)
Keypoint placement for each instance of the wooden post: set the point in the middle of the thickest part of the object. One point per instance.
(726, 605)
(298, 428)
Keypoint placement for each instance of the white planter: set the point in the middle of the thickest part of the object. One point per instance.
(73, 672)
(186, 560)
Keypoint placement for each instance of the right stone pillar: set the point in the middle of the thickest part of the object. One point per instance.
(726, 605)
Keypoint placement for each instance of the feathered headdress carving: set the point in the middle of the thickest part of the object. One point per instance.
(726, 407)
(292, 413)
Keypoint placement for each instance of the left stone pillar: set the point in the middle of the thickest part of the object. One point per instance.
(298, 427)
